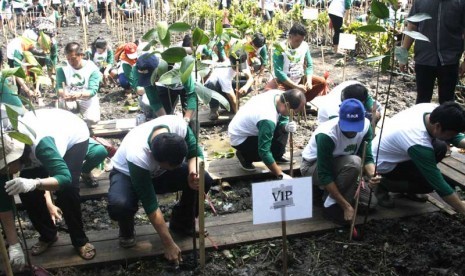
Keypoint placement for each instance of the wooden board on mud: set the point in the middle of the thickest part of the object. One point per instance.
(118, 127)
(224, 231)
(453, 170)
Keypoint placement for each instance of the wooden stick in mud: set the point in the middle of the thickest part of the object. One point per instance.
(202, 214)
(84, 26)
(237, 86)
(352, 225)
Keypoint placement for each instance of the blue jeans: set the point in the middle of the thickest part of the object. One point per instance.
(123, 81)
(123, 201)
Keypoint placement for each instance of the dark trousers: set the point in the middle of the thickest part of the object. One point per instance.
(123, 201)
(447, 77)
(337, 24)
(228, 4)
(169, 98)
(68, 199)
(215, 104)
(408, 171)
(102, 9)
(249, 148)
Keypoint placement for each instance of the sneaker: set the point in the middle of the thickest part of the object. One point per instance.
(246, 166)
(89, 180)
(384, 198)
(335, 214)
(283, 161)
(213, 115)
(103, 21)
(127, 242)
(365, 197)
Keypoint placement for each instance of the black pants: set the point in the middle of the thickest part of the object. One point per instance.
(123, 201)
(68, 199)
(228, 4)
(249, 148)
(337, 24)
(408, 171)
(102, 9)
(447, 77)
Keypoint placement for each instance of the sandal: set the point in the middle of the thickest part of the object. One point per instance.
(89, 180)
(41, 246)
(87, 252)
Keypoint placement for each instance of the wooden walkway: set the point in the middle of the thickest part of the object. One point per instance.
(224, 230)
(119, 127)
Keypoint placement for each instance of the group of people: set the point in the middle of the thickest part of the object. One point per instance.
(161, 155)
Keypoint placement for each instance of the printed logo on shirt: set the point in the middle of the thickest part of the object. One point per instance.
(351, 148)
(77, 81)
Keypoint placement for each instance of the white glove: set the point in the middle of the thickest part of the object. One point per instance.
(20, 185)
(17, 259)
(401, 55)
(286, 176)
(291, 127)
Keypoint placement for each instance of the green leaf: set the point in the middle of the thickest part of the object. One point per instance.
(249, 48)
(204, 40)
(21, 137)
(161, 69)
(371, 29)
(10, 98)
(171, 78)
(151, 34)
(12, 116)
(219, 28)
(29, 57)
(174, 54)
(179, 27)
(45, 42)
(374, 59)
(17, 71)
(37, 71)
(379, 9)
(385, 64)
(149, 45)
(419, 17)
(162, 29)
(166, 41)
(416, 35)
(197, 36)
(225, 37)
(187, 64)
(205, 95)
(278, 48)
(30, 107)
(203, 68)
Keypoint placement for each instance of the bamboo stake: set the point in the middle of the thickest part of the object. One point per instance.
(237, 86)
(357, 198)
(6, 263)
(202, 214)
(84, 26)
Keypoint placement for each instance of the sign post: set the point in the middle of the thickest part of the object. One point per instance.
(346, 41)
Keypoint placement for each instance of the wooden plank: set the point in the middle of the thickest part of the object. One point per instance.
(432, 198)
(451, 174)
(232, 230)
(224, 118)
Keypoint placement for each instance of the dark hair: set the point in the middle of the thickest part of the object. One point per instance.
(169, 147)
(450, 115)
(241, 57)
(298, 29)
(187, 41)
(293, 97)
(355, 91)
(259, 40)
(99, 43)
(73, 47)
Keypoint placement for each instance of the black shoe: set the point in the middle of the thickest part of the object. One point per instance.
(246, 166)
(89, 180)
(283, 161)
(127, 242)
(335, 214)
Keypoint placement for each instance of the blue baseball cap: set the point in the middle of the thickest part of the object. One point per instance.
(147, 62)
(351, 116)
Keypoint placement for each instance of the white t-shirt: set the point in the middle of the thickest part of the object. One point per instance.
(402, 131)
(258, 108)
(63, 126)
(343, 145)
(337, 7)
(135, 147)
(294, 68)
(328, 105)
(223, 75)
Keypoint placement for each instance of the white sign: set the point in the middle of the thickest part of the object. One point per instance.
(347, 41)
(282, 200)
(310, 14)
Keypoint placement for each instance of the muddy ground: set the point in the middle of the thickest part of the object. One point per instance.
(426, 245)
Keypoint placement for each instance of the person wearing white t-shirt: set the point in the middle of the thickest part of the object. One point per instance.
(333, 159)
(260, 129)
(221, 79)
(336, 11)
(81, 79)
(412, 143)
(156, 157)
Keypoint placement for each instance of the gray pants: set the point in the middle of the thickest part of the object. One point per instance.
(346, 170)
